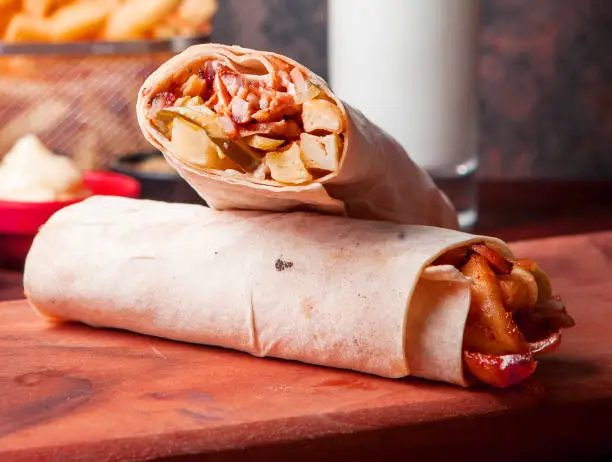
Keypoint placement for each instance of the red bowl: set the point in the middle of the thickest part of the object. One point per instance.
(20, 221)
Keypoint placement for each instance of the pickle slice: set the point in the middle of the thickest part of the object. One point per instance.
(206, 119)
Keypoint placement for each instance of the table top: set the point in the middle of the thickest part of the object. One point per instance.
(69, 392)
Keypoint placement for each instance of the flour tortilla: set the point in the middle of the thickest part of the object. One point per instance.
(315, 288)
(376, 179)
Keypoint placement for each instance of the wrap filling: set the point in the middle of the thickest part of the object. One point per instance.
(260, 117)
(513, 315)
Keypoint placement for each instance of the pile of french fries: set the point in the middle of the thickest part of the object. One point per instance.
(31, 21)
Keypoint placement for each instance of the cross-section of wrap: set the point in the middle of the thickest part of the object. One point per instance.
(255, 130)
(375, 297)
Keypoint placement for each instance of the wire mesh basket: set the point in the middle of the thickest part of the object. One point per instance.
(79, 98)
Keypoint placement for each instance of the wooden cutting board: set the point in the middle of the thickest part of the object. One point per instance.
(69, 392)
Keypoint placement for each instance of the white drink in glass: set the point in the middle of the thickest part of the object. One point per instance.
(410, 66)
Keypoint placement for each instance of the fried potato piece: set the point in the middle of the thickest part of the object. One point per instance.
(321, 115)
(5, 19)
(42, 8)
(136, 17)
(495, 260)
(23, 28)
(163, 31)
(197, 11)
(287, 166)
(173, 26)
(500, 371)
(80, 20)
(320, 152)
(9, 6)
(194, 86)
(39, 8)
(490, 329)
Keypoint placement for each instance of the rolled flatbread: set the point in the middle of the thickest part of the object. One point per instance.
(375, 297)
(256, 130)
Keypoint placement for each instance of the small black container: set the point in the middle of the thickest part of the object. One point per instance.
(165, 186)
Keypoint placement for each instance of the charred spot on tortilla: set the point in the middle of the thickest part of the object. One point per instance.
(282, 265)
(401, 235)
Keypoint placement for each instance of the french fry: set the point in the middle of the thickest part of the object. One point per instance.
(79, 20)
(70, 20)
(495, 260)
(9, 5)
(24, 28)
(500, 371)
(194, 86)
(136, 17)
(197, 11)
(42, 8)
(8, 10)
(5, 20)
(163, 31)
(490, 328)
(178, 25)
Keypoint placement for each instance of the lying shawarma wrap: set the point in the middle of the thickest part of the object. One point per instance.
(256, 130)
(376, 297)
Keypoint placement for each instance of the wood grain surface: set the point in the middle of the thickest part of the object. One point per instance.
(69, 392)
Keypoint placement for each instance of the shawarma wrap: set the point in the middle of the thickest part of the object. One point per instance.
(375, 297)
(256, 130)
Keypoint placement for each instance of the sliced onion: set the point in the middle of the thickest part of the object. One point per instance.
(262, 142)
